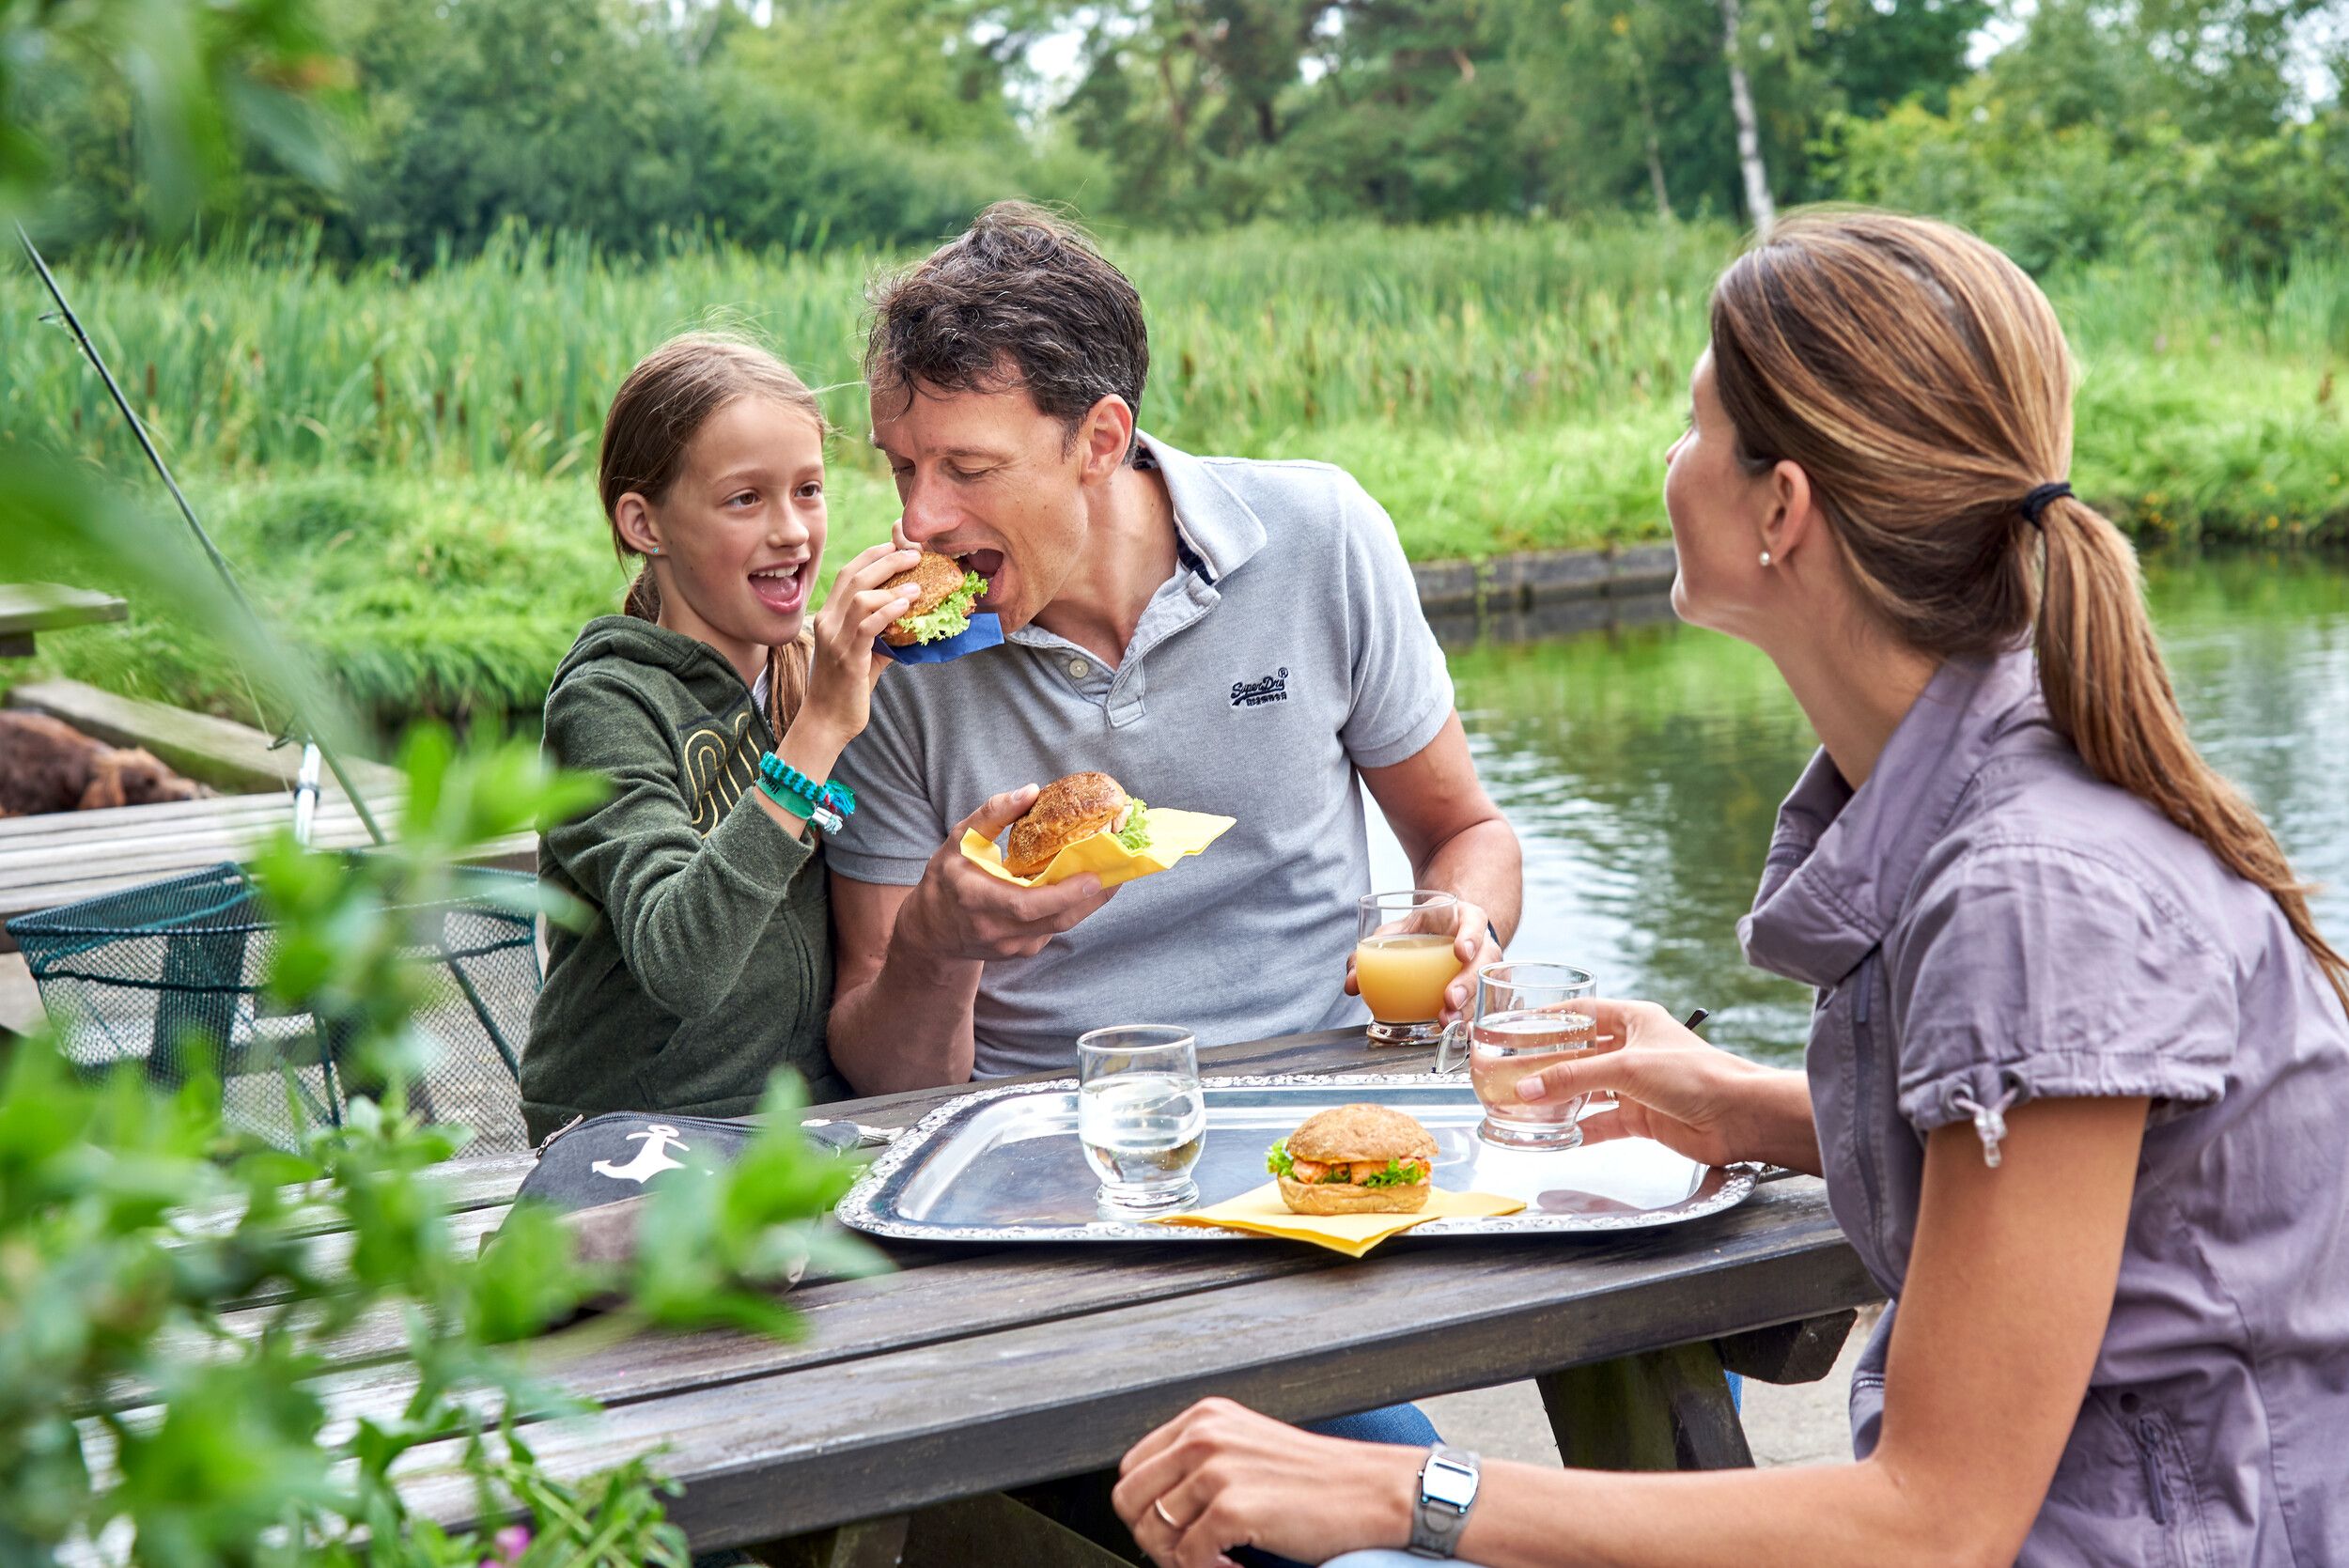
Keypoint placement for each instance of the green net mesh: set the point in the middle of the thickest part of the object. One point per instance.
(144, 976)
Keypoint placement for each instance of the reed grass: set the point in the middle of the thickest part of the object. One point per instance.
(401, 462)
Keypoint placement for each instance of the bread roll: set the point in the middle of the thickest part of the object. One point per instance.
(1065, 810)
(937, 576)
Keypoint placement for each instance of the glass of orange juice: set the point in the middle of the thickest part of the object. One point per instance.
(1403, 959)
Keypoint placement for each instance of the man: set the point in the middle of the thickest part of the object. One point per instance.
(1220, 635)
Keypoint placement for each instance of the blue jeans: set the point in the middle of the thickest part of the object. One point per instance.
(1405, 1425)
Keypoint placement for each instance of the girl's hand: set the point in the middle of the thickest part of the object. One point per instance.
(1691, 1097)
(1225, 1477)
(840, 685)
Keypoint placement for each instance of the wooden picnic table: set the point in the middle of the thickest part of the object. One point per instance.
(980, 1370)
(26, 608)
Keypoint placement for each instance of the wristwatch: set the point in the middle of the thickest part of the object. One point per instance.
(1447, 1490)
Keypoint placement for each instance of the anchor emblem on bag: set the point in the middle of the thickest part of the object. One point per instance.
(651, 1158)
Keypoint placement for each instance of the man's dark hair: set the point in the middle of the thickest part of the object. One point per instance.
(1023, 298)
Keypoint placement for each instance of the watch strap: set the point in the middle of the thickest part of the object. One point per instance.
(1447, 1491)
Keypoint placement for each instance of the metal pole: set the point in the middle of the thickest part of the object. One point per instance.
(219, 563)
(306, 795)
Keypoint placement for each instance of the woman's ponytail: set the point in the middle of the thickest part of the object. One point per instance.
(2107, 691)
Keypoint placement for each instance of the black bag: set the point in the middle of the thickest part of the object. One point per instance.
(623, 1154)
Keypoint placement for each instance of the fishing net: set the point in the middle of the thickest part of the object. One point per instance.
(169, 974)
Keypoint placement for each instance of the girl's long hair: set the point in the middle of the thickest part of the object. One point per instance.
(1920, 379)
(658, 409)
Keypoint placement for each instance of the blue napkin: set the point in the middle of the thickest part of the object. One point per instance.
(985, 631)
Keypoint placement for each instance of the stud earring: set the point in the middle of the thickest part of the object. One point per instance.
(656, 549)
(1766, 557)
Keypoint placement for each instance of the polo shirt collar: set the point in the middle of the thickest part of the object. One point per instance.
(1214, 524)
(1842, 862)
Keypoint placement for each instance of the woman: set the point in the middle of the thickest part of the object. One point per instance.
(2079, 1073)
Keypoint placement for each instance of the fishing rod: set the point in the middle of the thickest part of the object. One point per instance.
(313, 746)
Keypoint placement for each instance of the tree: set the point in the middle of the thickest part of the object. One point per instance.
(1757, 180)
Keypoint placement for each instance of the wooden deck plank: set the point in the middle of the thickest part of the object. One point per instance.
(193, 843)
(164, 815)
(46, 862)
(110, 820)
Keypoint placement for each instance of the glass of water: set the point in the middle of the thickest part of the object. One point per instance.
(1528, 1016)
(1140, 1115)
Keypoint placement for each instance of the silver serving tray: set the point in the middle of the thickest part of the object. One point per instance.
(1005, 1165)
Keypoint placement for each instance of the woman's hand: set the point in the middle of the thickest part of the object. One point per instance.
(847, 667)
(1691, 1097)
(1228, 1477)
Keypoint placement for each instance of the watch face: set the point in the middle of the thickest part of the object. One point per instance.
(1446, 1480)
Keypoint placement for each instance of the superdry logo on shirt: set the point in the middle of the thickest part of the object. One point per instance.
(1255, 693)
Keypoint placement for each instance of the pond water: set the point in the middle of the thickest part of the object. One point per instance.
(1643, 765)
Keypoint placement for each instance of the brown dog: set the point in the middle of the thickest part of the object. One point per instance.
(48, 766)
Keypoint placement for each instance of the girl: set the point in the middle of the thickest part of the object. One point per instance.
(707, 964)
(2079, 1068)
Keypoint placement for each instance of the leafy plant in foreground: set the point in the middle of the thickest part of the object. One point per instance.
(166, 1306)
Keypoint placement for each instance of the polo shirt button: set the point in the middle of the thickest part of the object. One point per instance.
(1078, 668)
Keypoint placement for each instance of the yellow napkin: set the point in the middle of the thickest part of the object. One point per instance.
(1353, 1234)
(1173, 835)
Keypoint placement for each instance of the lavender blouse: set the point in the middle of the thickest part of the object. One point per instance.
(1986, 923)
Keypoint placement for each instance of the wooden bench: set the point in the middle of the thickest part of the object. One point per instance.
(26, 608)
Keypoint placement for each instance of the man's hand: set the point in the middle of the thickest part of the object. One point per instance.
(1471, 943)
(960, 912)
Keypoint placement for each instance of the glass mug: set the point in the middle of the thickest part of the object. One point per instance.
(1403, 960)
(1140, 1115)
(1527, 1016)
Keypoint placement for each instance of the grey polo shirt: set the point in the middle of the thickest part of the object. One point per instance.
(1287, 651)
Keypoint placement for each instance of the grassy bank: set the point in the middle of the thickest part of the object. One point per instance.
(401, 463)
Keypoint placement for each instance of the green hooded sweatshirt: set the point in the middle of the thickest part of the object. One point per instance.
(707, 962)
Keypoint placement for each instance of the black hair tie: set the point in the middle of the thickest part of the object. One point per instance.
(2037, 501)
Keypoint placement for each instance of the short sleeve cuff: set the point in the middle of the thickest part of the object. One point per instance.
(1936, 1102)
(888, 871)
(1411, 742)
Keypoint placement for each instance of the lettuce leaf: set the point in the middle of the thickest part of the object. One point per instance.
(1277, 1161)
(952, 617)
(1135, 834)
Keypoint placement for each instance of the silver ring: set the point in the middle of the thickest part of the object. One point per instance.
(1158, 1506)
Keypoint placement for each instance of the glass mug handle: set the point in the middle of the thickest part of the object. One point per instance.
(1455, 1038)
